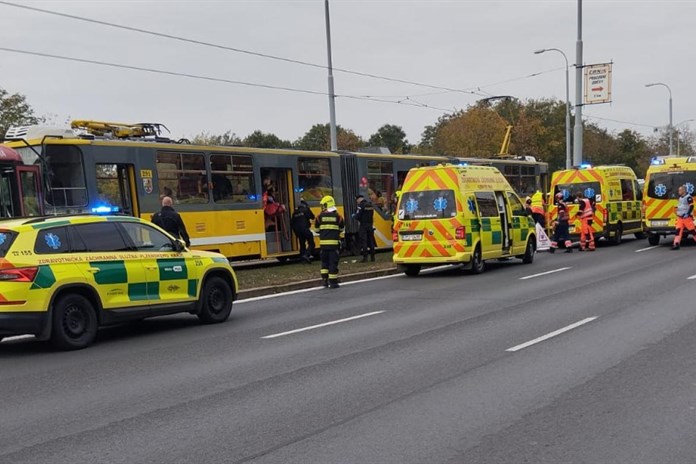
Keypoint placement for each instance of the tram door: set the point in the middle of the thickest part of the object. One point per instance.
(116, 187)
(277, 183)
(20, 191)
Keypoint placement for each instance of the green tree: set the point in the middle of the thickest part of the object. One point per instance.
(205, 138)
(317, 138)
(390, 136)
(258, 139)
(14, 111)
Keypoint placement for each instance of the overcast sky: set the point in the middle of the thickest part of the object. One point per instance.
(486, 46)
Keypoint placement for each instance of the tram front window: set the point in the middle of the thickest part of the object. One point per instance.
(66, 176)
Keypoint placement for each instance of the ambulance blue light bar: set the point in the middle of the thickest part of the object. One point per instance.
(585, 166)
(657, 161)
(104, 209)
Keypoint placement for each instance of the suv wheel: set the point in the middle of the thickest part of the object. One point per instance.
(216, 301)
(528, 257)
(74, 322)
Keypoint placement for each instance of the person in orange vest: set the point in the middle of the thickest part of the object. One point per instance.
(684, 211)
(586, 215)
(561, 231)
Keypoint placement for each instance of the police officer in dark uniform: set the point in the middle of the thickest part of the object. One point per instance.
(329, 223)
(169, 220)
(366, 231)
(301, 226)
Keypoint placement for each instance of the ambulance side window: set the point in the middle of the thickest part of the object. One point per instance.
(51, 241)
(638, 190)
(487, 205)
(516, 205)
(627, 190)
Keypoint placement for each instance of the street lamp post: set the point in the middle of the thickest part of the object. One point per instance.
(332, 95)
(567, 116)
(670, 112)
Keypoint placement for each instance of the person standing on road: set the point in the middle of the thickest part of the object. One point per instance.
(586, 214)
(562, 230)
(366, 231)
(329, 223)
(169, 220)
(536, 204)
(684, 211)
(302, 227)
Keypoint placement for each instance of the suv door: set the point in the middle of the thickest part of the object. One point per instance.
(171, 275)
(110, 266)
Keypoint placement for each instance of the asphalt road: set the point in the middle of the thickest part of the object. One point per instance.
(592, 362)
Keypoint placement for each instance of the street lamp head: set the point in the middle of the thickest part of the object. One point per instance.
(541, 50)
(650, 85)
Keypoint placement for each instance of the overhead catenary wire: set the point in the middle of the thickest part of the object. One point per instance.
(474, 90)
(214, 79)
(621, 122)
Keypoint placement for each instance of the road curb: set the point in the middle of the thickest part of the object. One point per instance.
(261, 291)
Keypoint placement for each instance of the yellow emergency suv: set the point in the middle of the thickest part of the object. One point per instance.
(615, 193)
(62, 277)
(663, 179)
(457, 214)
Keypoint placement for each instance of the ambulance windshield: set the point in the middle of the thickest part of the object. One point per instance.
(430, 204)
(665, 185)
(590, 190)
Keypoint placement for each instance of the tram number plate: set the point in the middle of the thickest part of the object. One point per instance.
(659, 223)
(413, 237)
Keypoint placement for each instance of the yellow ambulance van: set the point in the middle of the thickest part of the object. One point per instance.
(458, 214)
(615, 192)
(663, 179)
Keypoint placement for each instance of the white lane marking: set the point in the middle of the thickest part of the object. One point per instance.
(691, 278)
(544, 273)
(646, 249)
(304, 329)
(550, 335)
(311, 289)
(17, 337)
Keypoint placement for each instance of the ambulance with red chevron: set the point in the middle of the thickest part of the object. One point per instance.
(615, 193)
(664, 177)
(460, 214)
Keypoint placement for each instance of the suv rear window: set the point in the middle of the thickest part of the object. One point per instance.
(6, 239)
(50, 241)
(430, 204)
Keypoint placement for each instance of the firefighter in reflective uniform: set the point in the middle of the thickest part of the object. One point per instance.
(329, 223)
(561, 232)
(586, 214)
(685, 220)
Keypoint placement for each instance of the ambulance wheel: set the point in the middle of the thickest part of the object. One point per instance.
(618, 235)
(412, 270)
(477, 263)
(528, 257)
(654, 239)
(74, 322)
(216, 301)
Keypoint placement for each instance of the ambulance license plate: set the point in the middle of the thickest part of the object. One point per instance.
(414, 237)
(659, 223)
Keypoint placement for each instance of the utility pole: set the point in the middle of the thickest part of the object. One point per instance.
(332, 96)
(577, 143)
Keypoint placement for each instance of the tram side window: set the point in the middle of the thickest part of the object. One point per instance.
(380, 182)
(528, 181)
(66, 176)
(232, 178)
(184, 176)
(314, 178)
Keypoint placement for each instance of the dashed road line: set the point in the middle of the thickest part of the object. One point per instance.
(551, 334)
(312, 327)
(544, 273)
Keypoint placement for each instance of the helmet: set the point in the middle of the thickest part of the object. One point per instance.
(328, 202)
